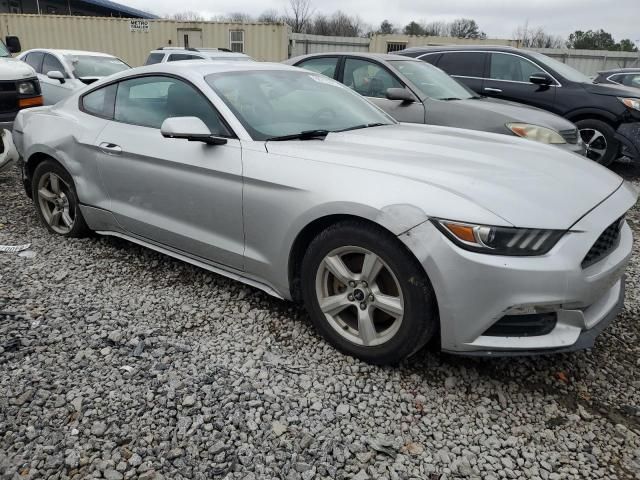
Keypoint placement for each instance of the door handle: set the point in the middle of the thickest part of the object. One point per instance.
(494, 90)
(110, 148)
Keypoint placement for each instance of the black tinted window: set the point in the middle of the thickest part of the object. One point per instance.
(511, 67)
(51, 64)
(154, 58)
(432, 58)
(35, 60)
(174, 57)
(100, 102)
(149, 101)
(368, 78)
(466, 64)
(325, 65)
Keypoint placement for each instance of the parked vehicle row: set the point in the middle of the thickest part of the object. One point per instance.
(175, 54)
(416, 92)
(608, 116)
(390, 233)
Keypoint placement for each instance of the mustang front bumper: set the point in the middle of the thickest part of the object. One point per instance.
(475, 291)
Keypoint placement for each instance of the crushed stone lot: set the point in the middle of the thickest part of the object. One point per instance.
(118, 362)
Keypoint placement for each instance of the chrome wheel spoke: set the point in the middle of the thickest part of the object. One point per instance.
(336, 266)
(366, 328)
(334, 304)
(54, 181)
(388, 304)
(54, 219)
(66, 218)
(371, 267)
(47, 195)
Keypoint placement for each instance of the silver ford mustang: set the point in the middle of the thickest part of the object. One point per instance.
(390, 234)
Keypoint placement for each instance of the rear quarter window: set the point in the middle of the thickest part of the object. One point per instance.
(464, 64)
(101, 102)
(154, 58)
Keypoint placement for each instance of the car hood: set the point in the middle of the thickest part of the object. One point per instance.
(525, 183)
(14, 69)
(515, 112)
(611, 90)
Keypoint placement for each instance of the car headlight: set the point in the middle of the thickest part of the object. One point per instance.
(27, 88)
(499, 240)
(632, 103)
(536, 133)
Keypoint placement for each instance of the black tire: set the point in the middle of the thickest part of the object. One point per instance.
(79, 227)
(420, 318)
(590, 125)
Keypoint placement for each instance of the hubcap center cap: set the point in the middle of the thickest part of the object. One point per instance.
(358, 295)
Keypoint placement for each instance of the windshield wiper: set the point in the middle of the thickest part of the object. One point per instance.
(364, 125)
(450, 98)
(305, 135)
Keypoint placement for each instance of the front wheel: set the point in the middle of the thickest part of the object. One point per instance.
(599, 138)
(366, 294)
(57, 205)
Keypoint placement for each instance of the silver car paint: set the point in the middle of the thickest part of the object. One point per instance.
(397, 176)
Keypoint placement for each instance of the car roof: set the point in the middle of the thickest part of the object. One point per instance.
(443, 48)
(621, 70)
(208, 52)
(60, 51)
(202, 69)
(375, 56)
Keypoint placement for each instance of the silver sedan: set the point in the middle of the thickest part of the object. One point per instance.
(390, 234)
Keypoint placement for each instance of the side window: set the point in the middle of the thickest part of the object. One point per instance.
(431, 58)
(631, 80)
(154, 58)
(51, 63)
(511, 67)
(174, 57)
(368, 78)
(35, 60)
(101, 102)
(324, 65)
(464, 64)
(149, 101)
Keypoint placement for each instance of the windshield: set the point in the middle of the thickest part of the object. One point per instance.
(4, 51)
(93, 66)
(563, 69)
(432, 81)
(274, 103)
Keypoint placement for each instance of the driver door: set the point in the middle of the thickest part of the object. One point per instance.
(372, 80)
(181, 194)
(54, 90)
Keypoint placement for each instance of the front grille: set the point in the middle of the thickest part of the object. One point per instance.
(532, 325)
(8, 97)
(605, 243)
(570, 136)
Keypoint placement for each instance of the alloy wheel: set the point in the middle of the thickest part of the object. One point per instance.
(595, 142)
(53, 199)
(360, 296)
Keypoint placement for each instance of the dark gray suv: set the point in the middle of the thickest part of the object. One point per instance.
(416, 92)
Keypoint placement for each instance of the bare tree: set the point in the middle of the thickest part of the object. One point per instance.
(270, 16)
(465, 28)
(188, 16)
(437, 29)
(239, 17)
(298, 15)
(537, 38)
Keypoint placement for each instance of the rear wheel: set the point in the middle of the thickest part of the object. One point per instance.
(366, 294)
(56, 201)
(599, 138)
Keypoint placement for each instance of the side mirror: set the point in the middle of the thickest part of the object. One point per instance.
(13, 44)
(189, 128)
(56, 75)
(541, 79)
(400, 94)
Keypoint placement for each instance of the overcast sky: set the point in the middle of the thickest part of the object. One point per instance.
(498, 18)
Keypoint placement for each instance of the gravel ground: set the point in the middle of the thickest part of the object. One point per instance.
(118, 362)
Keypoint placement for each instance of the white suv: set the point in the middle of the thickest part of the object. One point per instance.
(172, 54)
